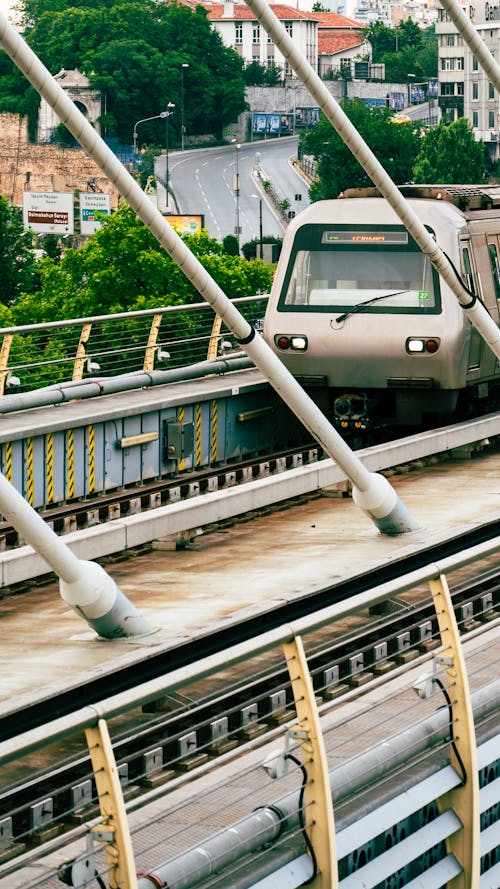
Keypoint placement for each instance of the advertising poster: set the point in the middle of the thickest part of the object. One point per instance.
(184, 224)
(397, 101)
(48, 212)
(259, 123)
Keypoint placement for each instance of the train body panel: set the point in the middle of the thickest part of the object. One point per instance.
(356, 306)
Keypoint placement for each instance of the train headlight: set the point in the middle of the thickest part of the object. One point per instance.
(418, 345)
(415, 345)
(296, 343)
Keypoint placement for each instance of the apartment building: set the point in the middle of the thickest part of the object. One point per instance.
(464, 88)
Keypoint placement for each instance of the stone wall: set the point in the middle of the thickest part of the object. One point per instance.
(27, 167)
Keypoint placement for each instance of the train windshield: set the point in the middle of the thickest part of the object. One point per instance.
(353, 269)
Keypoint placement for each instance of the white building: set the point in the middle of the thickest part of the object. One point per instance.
(240, 29)
(465, 90)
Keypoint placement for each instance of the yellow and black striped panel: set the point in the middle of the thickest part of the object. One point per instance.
(213, 430)
(181, 417)
(91, 459)
(30, 471)
(70, 464)
(197, 433)
(49, 468)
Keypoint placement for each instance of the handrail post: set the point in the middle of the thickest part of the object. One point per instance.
(4, 360)
(114, 831)
(318, 805)
(81, 351)
(149, 357)
(464, 799)
(214, 338)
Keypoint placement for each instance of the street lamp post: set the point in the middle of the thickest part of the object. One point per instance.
(237, 195)
(184, 65)
(259, 199)
(166, 115)
(144, 120)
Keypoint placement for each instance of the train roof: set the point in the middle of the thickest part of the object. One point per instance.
(465, 197)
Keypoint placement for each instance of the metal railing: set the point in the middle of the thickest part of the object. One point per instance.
(453, 804)
(33, 356)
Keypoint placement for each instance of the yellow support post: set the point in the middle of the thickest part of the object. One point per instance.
(4, 360)
(214, 338)
(464, 800)
(113, 832)
(149, 357)
(81, 352)
(318, 806)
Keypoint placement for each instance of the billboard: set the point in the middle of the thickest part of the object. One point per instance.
(185, 224)
(92, 202)
(48, 212)
(397, 101)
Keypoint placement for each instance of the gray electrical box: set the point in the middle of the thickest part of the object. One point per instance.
(178, 440)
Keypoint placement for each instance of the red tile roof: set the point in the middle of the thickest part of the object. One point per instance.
(242, 12)
(334, 20)
(328, 43)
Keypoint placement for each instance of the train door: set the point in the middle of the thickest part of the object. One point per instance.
(481, 270)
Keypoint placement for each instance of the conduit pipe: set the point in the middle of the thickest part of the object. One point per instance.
(85, 586)
(267, 823)
(371, 492)
(141, 379)
(472, 307)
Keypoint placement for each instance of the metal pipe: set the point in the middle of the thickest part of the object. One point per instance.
(371, 492)
(265, 824)
(141, 379)
(472, 307)
(85, 586)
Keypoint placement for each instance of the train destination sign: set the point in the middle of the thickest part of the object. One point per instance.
(365, 237)
(48, 212)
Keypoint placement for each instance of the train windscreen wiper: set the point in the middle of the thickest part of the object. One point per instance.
(366, 302)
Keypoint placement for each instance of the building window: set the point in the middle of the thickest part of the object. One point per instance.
(460, 88)
(475, 91)
(238, 32)
(475, 64)
(491, 120)
(447, 89)
(289, 28)
(255, 32)
(475, 119)
(491, 91)
(450, 40)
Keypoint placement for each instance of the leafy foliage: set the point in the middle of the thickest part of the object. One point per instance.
(134, 51)
(122, 267)
(396, 148)
(450, 154)
(405, 49)
(17, 260)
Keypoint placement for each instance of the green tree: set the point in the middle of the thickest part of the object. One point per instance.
(122, 268)
(405, 49)
(133, 52)
(450, 154)
(395, 147)
(17, 260)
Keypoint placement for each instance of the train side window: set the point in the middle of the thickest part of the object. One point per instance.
(495, 269)
(468, 274)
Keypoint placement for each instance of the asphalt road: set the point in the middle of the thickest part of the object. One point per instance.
(203, 182)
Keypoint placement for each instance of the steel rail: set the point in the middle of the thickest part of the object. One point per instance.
(26, 728)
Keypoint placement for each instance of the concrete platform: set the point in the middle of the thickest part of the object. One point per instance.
(249, 565)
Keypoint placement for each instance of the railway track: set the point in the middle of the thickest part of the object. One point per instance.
(52, 792)
(68, 517)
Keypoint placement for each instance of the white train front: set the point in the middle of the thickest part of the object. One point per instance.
(358, 314)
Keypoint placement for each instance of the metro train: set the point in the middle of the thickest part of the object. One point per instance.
(359, 315)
